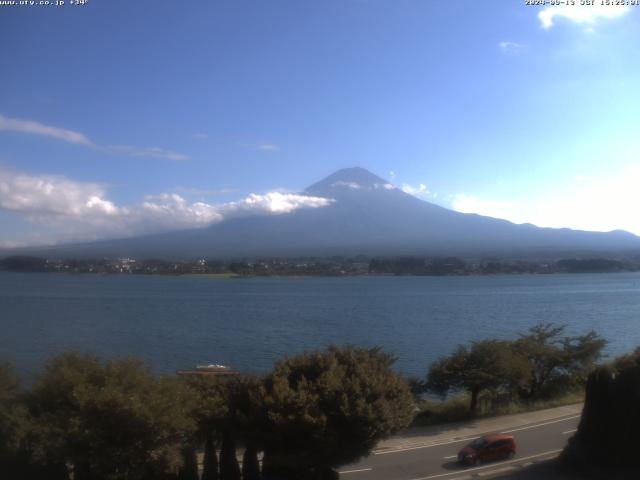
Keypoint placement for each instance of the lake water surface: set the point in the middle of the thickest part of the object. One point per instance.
(177, 322)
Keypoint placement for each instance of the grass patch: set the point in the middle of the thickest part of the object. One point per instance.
(434, 412)
(456, 409)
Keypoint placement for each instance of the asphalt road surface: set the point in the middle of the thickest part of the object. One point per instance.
(534, 442)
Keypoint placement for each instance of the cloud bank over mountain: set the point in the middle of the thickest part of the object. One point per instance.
(84, 212)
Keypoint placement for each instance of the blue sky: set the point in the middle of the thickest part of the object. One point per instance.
(120, 117)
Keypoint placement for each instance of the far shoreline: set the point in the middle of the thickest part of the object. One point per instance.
(227, 276)
(336, 266)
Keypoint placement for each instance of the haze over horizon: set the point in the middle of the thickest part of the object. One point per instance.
(151, 117)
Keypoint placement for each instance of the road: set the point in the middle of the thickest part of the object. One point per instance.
(537, 441)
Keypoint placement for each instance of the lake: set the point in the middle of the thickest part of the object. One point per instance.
(178, 322)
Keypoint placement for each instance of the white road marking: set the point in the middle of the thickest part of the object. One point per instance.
(570, 431)
(355, 471)
(541, 424)
(450, 457)
(465, 439)
(441, 475)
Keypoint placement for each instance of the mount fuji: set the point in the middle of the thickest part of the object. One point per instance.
(368, 215)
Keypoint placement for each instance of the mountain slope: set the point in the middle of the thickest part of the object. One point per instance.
(369, 216)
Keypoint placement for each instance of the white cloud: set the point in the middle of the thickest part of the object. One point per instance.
(511, 47)
(36, 128)
(392, 175)
(269, 147)
(417, 191)
(276, 202)
(580, 13)
(170, 211)
(589, 203)
(357, 186)
(52, 195)
(82, 211)
(155, 152)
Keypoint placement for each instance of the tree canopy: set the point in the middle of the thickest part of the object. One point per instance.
(555, 360)
(541, 363)
(109, 420)
(326, 409)
(14, 422)
(115, 420)
(489, 364)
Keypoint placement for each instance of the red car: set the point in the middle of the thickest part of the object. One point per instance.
(487, 449)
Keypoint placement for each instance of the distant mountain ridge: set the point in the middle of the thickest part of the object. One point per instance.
(369, 216)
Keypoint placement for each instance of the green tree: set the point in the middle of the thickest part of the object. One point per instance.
(582, 354)
(489, 364)
(556, 361)
(9, 423)
(326, 409)
(418, 386)
(244, 425)
(15, 458)
(16, 435)
(230, 410)
(110, 421)
(248, 420)
(210, 412)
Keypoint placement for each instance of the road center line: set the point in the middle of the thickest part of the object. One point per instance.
(450, 457)
(570, 431)
(462, 472)
(465, 439)
(356, 471)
